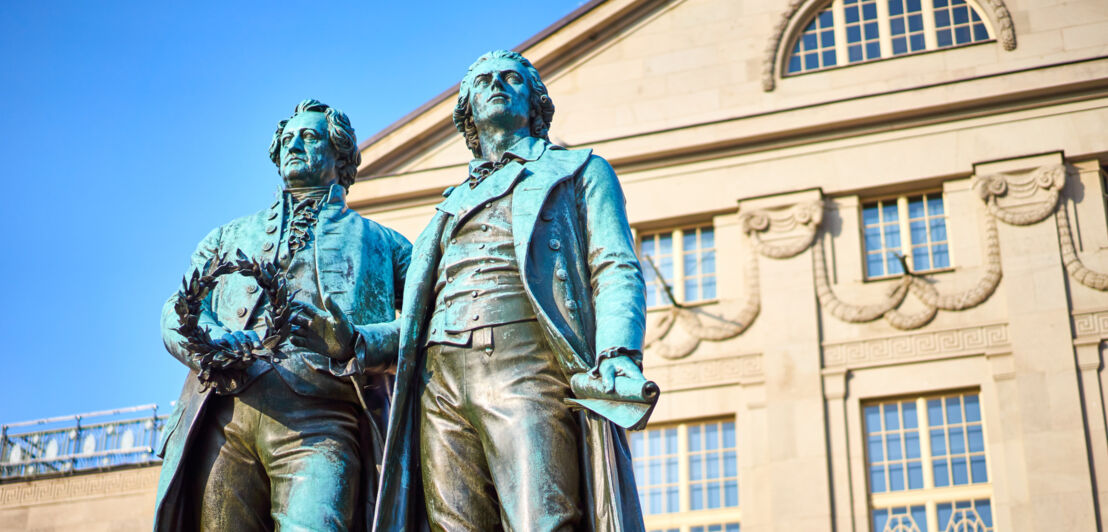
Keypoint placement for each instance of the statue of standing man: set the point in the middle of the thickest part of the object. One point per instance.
(525, 277)
(280, 423)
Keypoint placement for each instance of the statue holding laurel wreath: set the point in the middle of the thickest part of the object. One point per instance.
(283, 321)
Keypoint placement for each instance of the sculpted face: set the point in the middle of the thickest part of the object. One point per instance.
(307, 157)
(500, 96)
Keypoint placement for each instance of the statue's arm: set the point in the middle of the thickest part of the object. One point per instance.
(208, 248)
(617, 287)
(376, 344)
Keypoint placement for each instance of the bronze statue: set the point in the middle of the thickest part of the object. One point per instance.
(525, 279)
(285, 430)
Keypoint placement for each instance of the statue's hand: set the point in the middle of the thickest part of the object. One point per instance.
(324, 331)
(621, 365)
(239, 342)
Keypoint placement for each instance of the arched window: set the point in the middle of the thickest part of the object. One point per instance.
(853, 31)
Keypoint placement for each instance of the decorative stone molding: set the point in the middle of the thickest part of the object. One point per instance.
(1022, 199)
(1005, 30)
(777, 232)
(1028, 198)
(915, 347)
(1091, 324)
(697, 325)
(743, 369)
(789, 230)
(1005, 34)
(769, 56)
(921, 287)
(80, 486)
(1074, 266)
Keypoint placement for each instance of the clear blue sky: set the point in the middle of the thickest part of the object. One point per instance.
(133, 128)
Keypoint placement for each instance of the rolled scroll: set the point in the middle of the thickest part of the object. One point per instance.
(628, 406)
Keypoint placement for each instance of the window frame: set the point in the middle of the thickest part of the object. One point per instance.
(677, 283)
(930, 496)
(903, 221)
(885, 37)
(685, 518)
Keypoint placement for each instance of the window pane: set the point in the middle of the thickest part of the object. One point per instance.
(958, 471)
(892, 417)
(909, 408)
(935, 412)
(953, 410)
(918, 231)
(729, 434)
(694, 438)
(876, 449)
(973, 409)
(915, 475)
(911, 445)
(688, 242)
(938, 442)
(711, 436)
(941, 256)
(877, 479)
(896, 477)
(941, 473)
(665, 244)
(977, 468)
(892, 236)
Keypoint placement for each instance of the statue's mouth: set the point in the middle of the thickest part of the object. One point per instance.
(502, 96)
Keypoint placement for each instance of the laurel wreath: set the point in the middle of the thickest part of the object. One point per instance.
(220, 367)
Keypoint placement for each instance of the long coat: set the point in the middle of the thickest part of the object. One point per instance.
(580, 272)
(359, 263)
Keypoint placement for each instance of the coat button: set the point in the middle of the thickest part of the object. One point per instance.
(476, 317)
(251, 289)
(555, 244)
(547, 216)
(453, 240)
(561, 274)
(571, 305)
(271, 229)
(268, 246)
(272, 215)
(474, 294)
(484, 227)
(242, 312)
(449, 279)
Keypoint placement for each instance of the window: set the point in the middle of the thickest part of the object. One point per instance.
(689, 271)
(922, 218)
(688, 477)
(926, 464)
(875, 29)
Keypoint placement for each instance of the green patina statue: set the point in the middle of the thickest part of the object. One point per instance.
(285, 430)
(524, 303)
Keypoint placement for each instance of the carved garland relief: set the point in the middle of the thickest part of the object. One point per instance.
(785, 232)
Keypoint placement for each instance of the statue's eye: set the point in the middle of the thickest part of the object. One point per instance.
(481, 81)
(513, 77)
(286, 139)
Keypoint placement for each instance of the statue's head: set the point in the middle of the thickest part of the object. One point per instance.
(502, 89)
(315, 147)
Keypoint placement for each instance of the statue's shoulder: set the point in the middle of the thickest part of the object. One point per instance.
(565, 160)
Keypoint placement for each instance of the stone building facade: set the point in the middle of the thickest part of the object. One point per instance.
(884, 224)
(779, 158)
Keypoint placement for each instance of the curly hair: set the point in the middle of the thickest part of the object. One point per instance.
(542, 107)
(339, 132)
